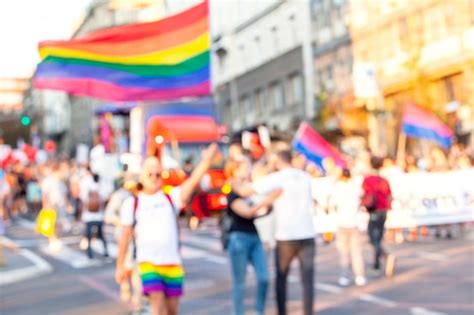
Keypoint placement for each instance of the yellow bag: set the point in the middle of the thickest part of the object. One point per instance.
(46, 222)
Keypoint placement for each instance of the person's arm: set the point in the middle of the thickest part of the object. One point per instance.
(190, 184)
(124, 242)
(111, 215)
(244, 190)
(263, 186)
(127, 219)
(240, 207)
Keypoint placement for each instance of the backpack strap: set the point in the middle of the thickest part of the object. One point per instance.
(135, 207)
(170, 201)
(177, 218)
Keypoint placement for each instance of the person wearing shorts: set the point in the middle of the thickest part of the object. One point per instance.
(152, 218)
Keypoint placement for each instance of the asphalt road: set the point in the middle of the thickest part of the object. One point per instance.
(432, 277)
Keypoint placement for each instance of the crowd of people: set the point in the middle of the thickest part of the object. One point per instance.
(146, 228)
(285, 190)
(70, 189)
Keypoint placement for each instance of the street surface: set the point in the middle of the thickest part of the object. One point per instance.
(432, 277)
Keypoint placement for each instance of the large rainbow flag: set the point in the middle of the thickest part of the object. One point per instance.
(420, 123)
(162, 60)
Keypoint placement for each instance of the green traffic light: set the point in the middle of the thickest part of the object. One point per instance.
(25, 120)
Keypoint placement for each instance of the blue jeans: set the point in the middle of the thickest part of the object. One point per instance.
(376, 230)
(247, 248)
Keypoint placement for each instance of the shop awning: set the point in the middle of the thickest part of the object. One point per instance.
(193, 121)
(115, 108)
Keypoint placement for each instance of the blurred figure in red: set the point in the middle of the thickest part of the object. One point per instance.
(377, 199)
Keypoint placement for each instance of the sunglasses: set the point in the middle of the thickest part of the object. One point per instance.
(155, 175)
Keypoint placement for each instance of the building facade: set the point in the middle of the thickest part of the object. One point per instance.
(422, 52)
(11, 109)
(261, 66)
(333, 63)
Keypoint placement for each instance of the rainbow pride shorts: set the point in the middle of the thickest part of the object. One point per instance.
(167, 279)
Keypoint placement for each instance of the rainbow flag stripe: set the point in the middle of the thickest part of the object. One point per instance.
(314, 147)
(166, 279)
(420, 123)
(162, 60)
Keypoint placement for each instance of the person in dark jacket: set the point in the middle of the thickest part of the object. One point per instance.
(377, 199)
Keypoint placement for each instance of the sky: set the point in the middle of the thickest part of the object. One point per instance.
(24, 23)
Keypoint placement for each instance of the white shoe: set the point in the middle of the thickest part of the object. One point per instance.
(360, 281)
(344, 281)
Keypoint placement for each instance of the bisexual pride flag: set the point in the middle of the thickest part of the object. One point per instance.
(313, 146)
(420, 123)
(163, 60)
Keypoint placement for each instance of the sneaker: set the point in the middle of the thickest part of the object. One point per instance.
(344, 281)
(360, 281)
(390, 266)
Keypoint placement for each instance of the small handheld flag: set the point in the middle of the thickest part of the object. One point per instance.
(313, 146)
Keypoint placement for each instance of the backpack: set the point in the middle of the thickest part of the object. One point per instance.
(135, 207)
(93, 204)
(369, 201)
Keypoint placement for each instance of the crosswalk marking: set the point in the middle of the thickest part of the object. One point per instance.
(74, 258)
(78, 259)
(423, 311)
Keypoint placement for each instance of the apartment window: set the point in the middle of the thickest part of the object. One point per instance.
(416, 29)
(243, 56)
(294, 90)
(297, 85)
(275, 40)
(329, 84)
(246, 110)
(235, 112)
(471, 9)
(403, 33)
(259, 101)
(451, 19)
(316, 6)
(258, 49)
(227, 112)
(338, 8)
(278, 96)
(294, 31)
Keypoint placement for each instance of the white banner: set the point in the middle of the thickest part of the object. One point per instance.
(418, 199)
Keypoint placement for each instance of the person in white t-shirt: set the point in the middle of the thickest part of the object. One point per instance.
(345, 201)
(152, 216)
(294, 229)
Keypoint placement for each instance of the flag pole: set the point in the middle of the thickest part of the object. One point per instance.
(402, 142)
(401, 149)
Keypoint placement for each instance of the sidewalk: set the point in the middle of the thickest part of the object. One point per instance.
(21, 264)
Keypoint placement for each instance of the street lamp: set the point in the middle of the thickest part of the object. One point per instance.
(159, 139)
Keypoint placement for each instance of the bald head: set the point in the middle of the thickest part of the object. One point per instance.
(151, 163)
(151, 175)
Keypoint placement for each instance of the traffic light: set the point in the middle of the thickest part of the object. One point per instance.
(25, 120)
